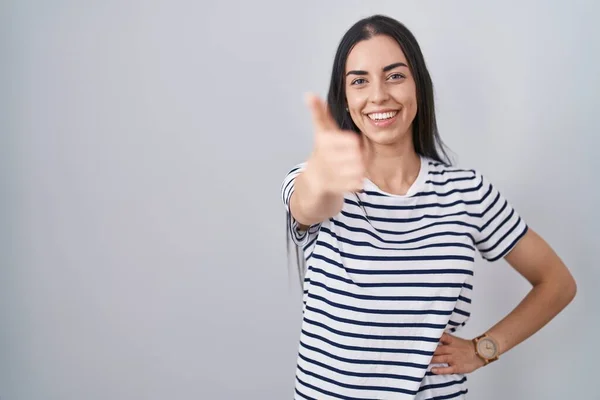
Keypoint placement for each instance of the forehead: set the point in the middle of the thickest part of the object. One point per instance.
(374, 54)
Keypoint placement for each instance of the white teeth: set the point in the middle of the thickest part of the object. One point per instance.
(382, 116)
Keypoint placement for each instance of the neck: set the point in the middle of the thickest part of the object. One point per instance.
(393, 168)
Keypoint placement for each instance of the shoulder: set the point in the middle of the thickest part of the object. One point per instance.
(292, 172)
(440, 174)
(443, 169)
(287, 185)
(464, 182)
(296, 168)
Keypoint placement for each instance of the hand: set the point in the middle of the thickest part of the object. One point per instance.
(336, 165)
(458, 353)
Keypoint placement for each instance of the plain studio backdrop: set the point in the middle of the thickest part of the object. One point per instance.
(143, 145)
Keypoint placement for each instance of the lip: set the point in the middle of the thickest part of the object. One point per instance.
(385, 123)
(383, 110)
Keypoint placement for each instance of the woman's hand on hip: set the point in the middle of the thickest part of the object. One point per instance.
(458, 353)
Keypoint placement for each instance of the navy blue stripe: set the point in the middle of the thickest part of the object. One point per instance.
(359, 387)
(425, 246)
(398, 258)
(401, 258)
(394, 350)
(510, 246)
(460, 179)
(451, 192)
(287, 189)
(488, 193)
(498, 226)
(438, 164)
(382, 298)
(415, 219)
(358, 374)
(376, 324)
(442, 385)
(367, 362)
(465, 299)
(298, 235)
(372, 337)
(386, 284)
(311, 242)
(461, 312)
(423, 237)
(376, 311)
(304, 396)
(451, 171)
(410, 207)
(450, 396)
(371, 193)
(489, 207)
(293, 228)
(339, 396)
(501, 239)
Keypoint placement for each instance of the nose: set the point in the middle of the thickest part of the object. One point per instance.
(379, 93)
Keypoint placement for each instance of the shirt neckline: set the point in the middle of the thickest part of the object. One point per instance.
(370, 186)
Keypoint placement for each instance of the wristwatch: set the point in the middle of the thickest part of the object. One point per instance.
(486, 348)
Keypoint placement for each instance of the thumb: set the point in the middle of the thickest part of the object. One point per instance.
(321, 116)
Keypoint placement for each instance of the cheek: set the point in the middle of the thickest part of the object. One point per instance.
(355, 101)
(355, 105)
(411, 108)
(408, 99)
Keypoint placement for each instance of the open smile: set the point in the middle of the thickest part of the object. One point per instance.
(383, 118)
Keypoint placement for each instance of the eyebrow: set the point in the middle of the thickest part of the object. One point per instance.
(385, 69)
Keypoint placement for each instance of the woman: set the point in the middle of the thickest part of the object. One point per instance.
(389, 232)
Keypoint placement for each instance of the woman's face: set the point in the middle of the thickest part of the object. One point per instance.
(380, 90)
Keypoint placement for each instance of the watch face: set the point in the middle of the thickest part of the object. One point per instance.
(487, 348)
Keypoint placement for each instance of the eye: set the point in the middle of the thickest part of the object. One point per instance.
(358, 81)
(396, 76)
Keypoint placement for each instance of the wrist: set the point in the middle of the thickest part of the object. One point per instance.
(314, 179)
(313, 201)
(486, 348)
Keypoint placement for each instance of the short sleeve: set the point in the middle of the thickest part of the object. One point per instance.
(299, 237)
(500, 226)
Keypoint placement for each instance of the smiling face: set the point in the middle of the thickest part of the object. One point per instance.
(380, 91)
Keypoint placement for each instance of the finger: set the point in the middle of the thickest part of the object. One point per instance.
(446, 339)
(442, 350)
(443, 370)
(443, 359)
(321, 117)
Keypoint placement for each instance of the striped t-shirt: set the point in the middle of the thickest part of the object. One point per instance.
(387, 276)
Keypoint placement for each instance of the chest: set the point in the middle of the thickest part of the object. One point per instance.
(377, 241)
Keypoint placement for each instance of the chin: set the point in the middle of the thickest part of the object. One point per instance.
(387, 137)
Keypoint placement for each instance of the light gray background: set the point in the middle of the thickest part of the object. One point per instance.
(143, 144)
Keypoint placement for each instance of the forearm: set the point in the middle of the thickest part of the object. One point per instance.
(311, 203)
(540, 306)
